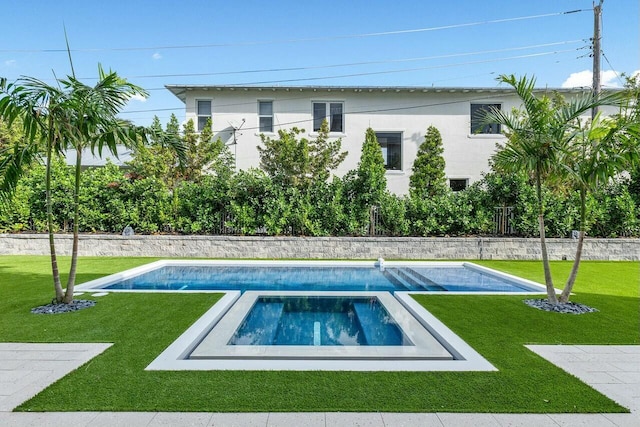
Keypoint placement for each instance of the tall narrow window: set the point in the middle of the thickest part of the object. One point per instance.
(391, 146)
(332, 112)
(477, 111)
(335, 122)
(203, 113)
(319, 115)
(265, 116)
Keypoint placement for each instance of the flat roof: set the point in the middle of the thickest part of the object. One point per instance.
(180, 90)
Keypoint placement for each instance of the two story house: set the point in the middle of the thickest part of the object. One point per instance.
(400, 117)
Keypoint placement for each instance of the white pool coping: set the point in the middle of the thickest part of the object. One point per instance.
(422, 344)
(101, 284)
(176, 356)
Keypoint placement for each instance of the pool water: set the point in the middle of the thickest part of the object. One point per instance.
(311, 330)
(319, 321)
(457, 278)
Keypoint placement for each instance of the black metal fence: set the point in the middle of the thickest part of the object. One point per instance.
(503, 218)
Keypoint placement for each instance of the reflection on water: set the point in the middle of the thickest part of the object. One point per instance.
(315, 320)
(309, 278)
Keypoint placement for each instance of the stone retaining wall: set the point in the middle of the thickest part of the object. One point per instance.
(320, 247)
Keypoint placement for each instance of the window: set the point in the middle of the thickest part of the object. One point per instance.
(335, 118)
(391, 145)
(265, 116)
(203, 112)
(477, 111)
(458, 184)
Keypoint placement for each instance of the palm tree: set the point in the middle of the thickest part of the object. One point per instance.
(93, 123)
(601, 151)
(74, 116)
(41, 108)
(537, 135)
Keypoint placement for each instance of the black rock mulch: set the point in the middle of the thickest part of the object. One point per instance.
(75, 305)
(567, 307)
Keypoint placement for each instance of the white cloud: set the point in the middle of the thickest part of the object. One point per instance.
(10, 62)
(608, 78)
(156, 56)
(139, 98)
(611, 78)
(579, 79)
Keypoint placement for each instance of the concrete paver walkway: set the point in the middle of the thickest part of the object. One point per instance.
(26, 369)
(613, 370)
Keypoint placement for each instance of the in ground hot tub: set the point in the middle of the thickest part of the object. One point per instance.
(370, 325)
(318, 321)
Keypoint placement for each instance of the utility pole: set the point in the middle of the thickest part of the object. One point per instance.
(597, 20)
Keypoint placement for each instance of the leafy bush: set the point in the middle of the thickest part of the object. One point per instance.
(202, 207)
(393, 215)
(61, 193)
(618, 212)
(250, 202)
(248, 192)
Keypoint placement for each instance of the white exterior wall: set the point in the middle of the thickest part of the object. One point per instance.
(401, 110)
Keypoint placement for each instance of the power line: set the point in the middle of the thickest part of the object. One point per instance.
(361, 111)
(293, 112)
(367, 111)
(151, 111)
(352, 75)
(403, 70)
(353, 64)
(613, 69)
(231, 104)
(376, 110)
(372, 73)
(299, 40)
(388, 61)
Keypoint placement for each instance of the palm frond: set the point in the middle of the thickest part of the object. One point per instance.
(14, 162)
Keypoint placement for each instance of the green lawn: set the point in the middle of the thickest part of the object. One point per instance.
(142, 325)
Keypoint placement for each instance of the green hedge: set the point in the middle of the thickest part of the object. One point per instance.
(249, 202)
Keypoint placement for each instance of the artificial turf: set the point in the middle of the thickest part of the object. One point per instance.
(141, 326)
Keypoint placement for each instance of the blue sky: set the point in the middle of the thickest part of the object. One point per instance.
(455, 43)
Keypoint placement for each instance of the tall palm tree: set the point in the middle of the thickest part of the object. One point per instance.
(93, 123)
(537, 135)
(72, 115)
(41, 108)
(601, 151)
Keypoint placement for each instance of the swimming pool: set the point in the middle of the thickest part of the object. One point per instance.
(317, 315)
(391, 276)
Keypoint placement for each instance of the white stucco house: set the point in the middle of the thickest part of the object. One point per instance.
(400, 117)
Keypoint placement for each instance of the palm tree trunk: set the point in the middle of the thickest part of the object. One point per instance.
(68, 298)
(566, 292)
(548, 280)
(52, 246)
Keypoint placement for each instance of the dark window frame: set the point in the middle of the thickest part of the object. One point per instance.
(392, 157)
(332, 112)
(458, 184)
(265, 125)
(477, 128)
(202, 117)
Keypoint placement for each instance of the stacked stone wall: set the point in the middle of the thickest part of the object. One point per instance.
(467, 248)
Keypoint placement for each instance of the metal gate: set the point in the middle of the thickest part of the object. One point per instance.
(503, 218)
